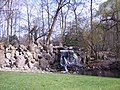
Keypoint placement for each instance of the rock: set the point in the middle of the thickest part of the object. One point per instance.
(11, 47)
(47, 56)
(8, 55)
(20, 61)
(37, 53)
(22, 47)
(50, 49)
(36, 64)
(2, 58)
(17, 53)
(13, 52)
(102, 55)
(38, 49)
(35, 56)
(12, 62)
(32, 47)
(26, 67)
(30, 56)
(1, 46)
(43, 63)
(30, 64)
(6, 62)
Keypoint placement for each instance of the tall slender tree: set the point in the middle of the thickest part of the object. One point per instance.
(117, 32)
(8, 20)
(61, 3)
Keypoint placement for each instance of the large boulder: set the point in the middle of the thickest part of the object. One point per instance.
(47, 56)
(32, 47)
(102, 55)
(11, 47)
(8, 55)
(2, 46)
(29, 56)
(20, 61)
(43, 63)
(2, 58)
(6, 63)
(10, 52)
(36, 64)
(22, 47)
(17, 53)
(37, 53)
(31, 64)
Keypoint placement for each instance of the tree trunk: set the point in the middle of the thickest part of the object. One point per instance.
(61, 3)
(91, 32)
(11, 17)
(62, 26)
(8, 21)
(43, 30)
(52, 26)
(117, 33)
(28, 21)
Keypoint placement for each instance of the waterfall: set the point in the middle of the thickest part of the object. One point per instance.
(68, 58)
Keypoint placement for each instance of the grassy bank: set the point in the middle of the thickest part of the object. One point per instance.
(37, 81)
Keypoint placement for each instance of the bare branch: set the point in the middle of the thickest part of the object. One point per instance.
(4, 4)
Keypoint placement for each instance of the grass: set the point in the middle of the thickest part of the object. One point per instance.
(39, 81)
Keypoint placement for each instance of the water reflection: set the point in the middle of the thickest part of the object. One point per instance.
(103, 73)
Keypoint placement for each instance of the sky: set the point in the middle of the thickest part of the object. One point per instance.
(86, 9)
(96, 4)
(86, 12)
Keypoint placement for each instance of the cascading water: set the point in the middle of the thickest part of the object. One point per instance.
(68, 58)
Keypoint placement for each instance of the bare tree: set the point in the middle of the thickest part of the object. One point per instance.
(29, 6)
(60, 4)
(43, 26)
(11, 18)
(75, 5)
(4, 3)
(8, 20)
(117, 32)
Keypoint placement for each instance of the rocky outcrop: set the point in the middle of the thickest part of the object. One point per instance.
(22, 57)
(34, 57)
(2, 58)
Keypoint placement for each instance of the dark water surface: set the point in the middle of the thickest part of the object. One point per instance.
(102, 73)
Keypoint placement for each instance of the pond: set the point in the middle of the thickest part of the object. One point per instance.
(102, 73)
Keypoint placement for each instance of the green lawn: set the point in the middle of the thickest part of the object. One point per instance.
(38, 81)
